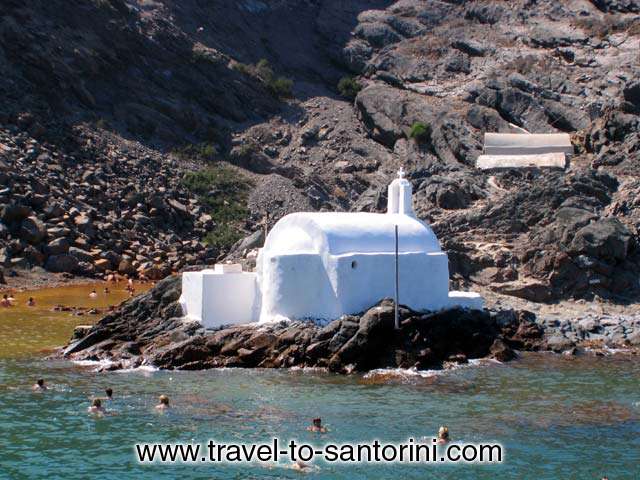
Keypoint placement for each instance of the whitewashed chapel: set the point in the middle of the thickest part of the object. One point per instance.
(324, 265)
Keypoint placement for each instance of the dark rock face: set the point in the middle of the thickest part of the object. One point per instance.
(617, 5)
(608, 239)
(62, 263)
(32, 230)
(148, 329)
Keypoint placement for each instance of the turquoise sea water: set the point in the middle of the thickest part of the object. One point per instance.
(557, 418)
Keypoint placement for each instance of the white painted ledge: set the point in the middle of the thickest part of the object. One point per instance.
(545, 160)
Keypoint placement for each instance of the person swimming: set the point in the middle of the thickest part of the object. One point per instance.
(31, 302)
(96, 407)
(39, 385)
(164, 403)
(11, 299)
(93, 294)
(109, 392)
(443, 435)
(5, 301)
(300, 466)
(317, 426)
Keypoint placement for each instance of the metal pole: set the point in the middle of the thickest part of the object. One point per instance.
(397, 317)
(265, 221)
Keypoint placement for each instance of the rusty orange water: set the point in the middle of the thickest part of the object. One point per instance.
(28, 330)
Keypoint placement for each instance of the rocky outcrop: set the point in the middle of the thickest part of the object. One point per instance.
(149, 330)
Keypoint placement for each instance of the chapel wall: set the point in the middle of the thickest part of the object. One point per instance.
(365, 279)
(296, 286)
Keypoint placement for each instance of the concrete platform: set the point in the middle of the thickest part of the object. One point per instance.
(545, 160)
(527, 144)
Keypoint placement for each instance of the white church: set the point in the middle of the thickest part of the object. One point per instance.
(322, 265)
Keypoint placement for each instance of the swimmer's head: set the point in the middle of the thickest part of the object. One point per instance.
(443, 432)
(109, 392)
(317, 422)
(96, 403)
(164, 400)
(40, 382)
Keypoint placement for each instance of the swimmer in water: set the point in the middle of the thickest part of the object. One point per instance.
(109, 392)
(96, 407)
(317, 426)
(300, 466)
(93, 294)
(39, 386)
(443, 435)
(31, 302)
(164, 403)
(11, 299)
(5, 301)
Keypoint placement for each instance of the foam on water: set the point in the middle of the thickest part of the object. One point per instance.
(93, 363)
(413, 372)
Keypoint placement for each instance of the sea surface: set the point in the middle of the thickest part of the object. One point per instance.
(556, 417)
(32, 330)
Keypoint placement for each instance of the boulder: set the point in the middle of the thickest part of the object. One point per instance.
(155, 272)
(81, 331)
(470, 47)
(125, 267)
(255, 240)
(19, 262)
(33, 255)
(57, 246)
(529, 290)
(62, 263)
(458, 62)
(377, 34)
(178, 207)
(32, 230)
(501, 351)
(102, 264)
(559, 343)
(380, 108)
(631, 93)
(81, 255)
(607, 238)
(485, 13)
(15, 212)
(622, 6)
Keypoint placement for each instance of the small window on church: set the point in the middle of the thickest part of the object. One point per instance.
(354, 264)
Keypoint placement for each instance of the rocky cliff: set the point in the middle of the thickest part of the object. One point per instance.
(314, 105)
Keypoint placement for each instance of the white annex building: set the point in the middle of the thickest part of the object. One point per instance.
(324, 265)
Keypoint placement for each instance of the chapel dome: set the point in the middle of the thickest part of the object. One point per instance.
(337, 233)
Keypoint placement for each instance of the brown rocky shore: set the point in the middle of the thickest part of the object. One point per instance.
(149, 330)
